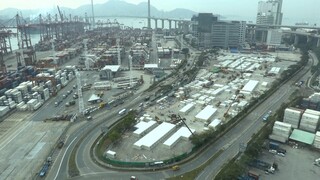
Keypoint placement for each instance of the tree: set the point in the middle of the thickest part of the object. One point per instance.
(114, 136)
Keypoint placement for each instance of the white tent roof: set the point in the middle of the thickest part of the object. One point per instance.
(146, 66)
(155, 135)
(206, 113)
(94, 98)
(113, 68)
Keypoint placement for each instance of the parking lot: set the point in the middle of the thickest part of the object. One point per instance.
(297, 164)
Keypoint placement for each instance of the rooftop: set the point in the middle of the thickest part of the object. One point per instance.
(302, 136)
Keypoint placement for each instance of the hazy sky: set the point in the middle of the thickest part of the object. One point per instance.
(293, 10)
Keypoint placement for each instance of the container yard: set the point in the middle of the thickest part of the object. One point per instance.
(40, 83)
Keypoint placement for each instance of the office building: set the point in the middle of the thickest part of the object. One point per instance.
(269, 12)
(211, 32)
(274, 37)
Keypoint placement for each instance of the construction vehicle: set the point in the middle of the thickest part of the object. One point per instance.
(226, 113)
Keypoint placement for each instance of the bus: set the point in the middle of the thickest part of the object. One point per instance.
(122, 112)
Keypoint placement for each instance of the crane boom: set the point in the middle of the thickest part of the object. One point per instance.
(61, 15)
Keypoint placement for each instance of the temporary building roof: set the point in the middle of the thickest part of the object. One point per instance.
(274, 70)
(215, 123)
(94, 98)
(249, 87)
(187, 107)
(146, 66)
(206, 113)
(113, 68)
(182, 132)
(302, 136)
(143, 126)
(155, 135)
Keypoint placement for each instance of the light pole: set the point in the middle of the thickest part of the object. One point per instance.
(93, 23)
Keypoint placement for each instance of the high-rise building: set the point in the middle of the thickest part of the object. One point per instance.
(211, 32)
(269, 12)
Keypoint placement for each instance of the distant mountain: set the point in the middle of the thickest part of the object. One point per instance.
(110, 8)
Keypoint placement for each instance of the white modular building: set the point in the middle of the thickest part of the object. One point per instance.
(249, 87)
(215, 123)
(292, 116)
(206, 113)
(316, 142)
(143, 127)
(274, 71)
(187, 108)
(182, 133)
(152, 138)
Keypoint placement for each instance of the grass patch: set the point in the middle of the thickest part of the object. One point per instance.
(72, 166)
(191, 175)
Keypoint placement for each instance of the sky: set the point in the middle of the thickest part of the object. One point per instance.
(293, 10)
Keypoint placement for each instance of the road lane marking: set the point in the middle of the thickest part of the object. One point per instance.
(63, 157)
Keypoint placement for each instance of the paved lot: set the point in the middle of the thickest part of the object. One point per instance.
(297, 164)
(25, 144)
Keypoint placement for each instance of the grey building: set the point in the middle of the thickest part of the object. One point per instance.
(211, 32)
(269, 12)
